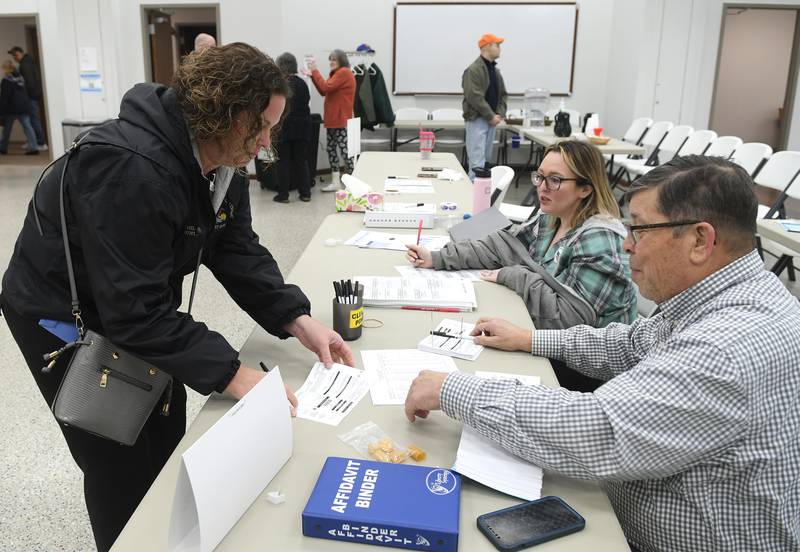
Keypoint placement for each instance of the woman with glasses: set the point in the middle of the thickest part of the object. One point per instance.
(567, 264)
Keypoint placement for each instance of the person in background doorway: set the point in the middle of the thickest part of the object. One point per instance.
(15, 106)
(484, 101)
(340, 92)
(33, 86)
(292, 146)
(204, 41)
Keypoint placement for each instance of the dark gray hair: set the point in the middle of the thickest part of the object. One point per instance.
(340, 57)
(287, 63)
(710, 189)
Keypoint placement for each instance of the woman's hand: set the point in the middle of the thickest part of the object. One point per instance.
(327, 344)
(489, 275)
(501, 334)
(312, 66)
(419, 256)
(246, 378)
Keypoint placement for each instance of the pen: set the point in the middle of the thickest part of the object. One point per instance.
(263, 367)
(419, 231)
(445, 334)
(435, 309)
(399, 177)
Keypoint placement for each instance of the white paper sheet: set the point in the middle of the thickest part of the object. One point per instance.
(226, 469)
(392, 371)
(408, 186)
(329, 395)
(407, 271)
(452, 346)
(397, 242)
(488, 463)
(394, 291)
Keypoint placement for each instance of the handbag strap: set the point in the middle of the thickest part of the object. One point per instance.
(73, 288)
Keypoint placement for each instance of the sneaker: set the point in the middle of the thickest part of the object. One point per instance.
(305, 198)
(42, 147)
(332, 187)
(280, 199)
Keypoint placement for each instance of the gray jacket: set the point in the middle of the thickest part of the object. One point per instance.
(550, 303)
(475, 82)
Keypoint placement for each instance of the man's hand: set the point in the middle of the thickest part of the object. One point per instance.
(419, 256)
(246, 378)
(317, 338)
(496, 120)
(489, 275)
(501, 334)
(423, 395)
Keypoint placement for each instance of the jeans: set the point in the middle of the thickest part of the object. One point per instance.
(8, 123)
(36, 123)
(480, 138)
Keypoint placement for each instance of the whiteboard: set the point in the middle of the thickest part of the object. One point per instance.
(434, 43)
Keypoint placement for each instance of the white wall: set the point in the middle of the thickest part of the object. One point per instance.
(615, 61)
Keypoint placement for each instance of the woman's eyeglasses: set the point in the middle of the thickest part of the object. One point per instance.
(552, 183)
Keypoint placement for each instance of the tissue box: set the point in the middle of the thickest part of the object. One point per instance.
(345, 201)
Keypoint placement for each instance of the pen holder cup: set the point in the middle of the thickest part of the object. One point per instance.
(347, 318)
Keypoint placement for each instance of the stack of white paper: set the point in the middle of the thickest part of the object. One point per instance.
(424, 293)
(454, 346)
(392, 371)
(488, 463)
(397, 242)
(407, 271)
(330, 394)
(408, 186)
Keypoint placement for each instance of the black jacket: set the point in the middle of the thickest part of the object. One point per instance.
(28, 69)
(136, 224)
(297, 124)
(13, 98)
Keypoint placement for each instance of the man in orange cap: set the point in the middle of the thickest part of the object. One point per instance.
(484, 102)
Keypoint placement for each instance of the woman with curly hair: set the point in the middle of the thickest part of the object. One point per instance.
(148, 195)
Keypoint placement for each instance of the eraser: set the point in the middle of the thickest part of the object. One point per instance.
(276, 497)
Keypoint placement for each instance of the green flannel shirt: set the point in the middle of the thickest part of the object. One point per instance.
(595, 266)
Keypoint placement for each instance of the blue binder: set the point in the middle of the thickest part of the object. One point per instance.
(413, 507)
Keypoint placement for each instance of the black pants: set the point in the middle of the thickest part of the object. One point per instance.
(115, 477)
(574, 380)
(292, 168)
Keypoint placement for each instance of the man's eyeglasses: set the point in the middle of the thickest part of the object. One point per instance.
(635, 230)
(552, 182)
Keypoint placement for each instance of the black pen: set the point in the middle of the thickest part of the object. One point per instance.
(445, 334)
(264, 367)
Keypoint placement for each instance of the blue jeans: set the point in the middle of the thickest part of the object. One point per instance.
(25, 121)
(479, 138)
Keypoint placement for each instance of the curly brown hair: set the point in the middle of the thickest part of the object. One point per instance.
(219, 86)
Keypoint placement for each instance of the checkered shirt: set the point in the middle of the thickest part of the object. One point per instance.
(695, 435)
(594, 266)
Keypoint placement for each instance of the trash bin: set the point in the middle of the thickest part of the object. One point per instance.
(71, 128)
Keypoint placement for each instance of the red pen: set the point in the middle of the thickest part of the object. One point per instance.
(435, 309)
(419, 231)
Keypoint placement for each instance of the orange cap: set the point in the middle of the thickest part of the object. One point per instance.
(489, 38)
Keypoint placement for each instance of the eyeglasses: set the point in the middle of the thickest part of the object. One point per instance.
(635, 230)
(552, 182)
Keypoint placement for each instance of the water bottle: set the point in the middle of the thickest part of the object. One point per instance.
(481, 189)
(427, 141)
(535, 103)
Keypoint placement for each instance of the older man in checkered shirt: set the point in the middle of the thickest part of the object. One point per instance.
(696, 432)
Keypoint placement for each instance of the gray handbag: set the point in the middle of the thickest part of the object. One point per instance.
(105, 391)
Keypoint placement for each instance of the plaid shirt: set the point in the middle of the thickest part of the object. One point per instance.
(696, 434)
(594, 266)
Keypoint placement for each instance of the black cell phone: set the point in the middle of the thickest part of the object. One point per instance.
(530, 523)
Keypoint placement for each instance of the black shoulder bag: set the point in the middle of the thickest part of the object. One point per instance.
(106, 391)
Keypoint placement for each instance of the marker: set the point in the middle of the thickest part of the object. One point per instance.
(419, 231)
(434, 309)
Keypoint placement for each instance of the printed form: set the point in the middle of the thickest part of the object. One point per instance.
(407, 271)
(329, 395)
(392, 371)
(396, 242)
